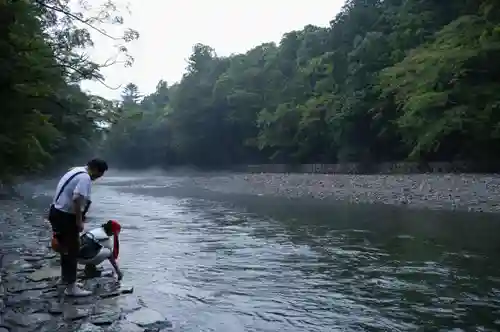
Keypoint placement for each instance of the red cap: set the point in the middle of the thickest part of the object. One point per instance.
(115, 227)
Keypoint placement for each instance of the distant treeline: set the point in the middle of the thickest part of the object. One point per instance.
(392, 80)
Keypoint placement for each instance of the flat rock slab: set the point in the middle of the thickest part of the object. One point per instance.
(145, 317)
(73, 313)
(23, 299)
(21, 266)
(105, 313)
(45, 273)
(33, 258)
(110, 294)
(105, 318)
(125, 304)
(88, 327)
(56, 308)
(126, 289)
(19, 287)
(30, 320)
(124, 326)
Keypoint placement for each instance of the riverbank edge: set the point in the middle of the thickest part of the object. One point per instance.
(24, 251)
(352, 168)
(452, 192)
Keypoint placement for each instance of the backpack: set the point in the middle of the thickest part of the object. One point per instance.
(89, 246)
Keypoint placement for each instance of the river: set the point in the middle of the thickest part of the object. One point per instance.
(256, 263)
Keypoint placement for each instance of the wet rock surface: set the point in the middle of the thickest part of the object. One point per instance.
(30, 298)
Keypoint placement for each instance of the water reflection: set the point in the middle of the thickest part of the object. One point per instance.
(239, 263)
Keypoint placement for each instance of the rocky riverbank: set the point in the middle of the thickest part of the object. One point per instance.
(30, 300)
(468, 192)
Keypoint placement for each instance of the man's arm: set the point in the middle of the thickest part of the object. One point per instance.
(113, 262)
(77, 209)
(86, 209)
(81, 192)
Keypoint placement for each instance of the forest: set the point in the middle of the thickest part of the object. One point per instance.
(391, 80)
(46, 118)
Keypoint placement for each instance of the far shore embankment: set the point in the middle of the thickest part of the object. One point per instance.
(439, 191)
(466, 192)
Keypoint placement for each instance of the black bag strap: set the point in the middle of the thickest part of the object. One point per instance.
(90, 236)
(66, 183)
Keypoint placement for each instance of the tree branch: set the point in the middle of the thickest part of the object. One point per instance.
(73, 16)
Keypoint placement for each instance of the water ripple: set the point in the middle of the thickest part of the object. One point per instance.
(210, 267)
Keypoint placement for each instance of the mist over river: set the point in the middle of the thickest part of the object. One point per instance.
(228, 262)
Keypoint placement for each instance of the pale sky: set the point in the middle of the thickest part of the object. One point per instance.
(169, 29)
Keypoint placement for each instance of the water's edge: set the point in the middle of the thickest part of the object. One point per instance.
(448, 192)
(462, 192)
(29, 297)
(275, 261)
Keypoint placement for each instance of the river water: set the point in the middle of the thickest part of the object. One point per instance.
(249, 263)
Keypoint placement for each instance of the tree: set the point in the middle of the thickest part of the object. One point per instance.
(386, 81)
(45, 115)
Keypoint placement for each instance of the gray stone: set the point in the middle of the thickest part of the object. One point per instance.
(126, 289)
(17, 319)
(33, 258)
(3, 329)
(53, 293)
(27, 286)
(50, 255)
(26, 266)
(106, 274)
(105, 313)
(124, 326)
(105, 318)
(19, 266)
(86, 300)
(110, 294)
(45, 273)
(88, 327)
(125, 304)
(71, 312)
(24, 298)
(56, 308)
(145, 316)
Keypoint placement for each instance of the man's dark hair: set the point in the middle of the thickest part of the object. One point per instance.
(98, 164)
(108, 228)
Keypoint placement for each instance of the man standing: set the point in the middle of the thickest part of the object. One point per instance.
(66, 217)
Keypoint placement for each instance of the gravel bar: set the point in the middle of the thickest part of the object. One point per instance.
(468, 192)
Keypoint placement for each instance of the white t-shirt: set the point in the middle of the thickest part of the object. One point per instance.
(101, 237)
(78, 185)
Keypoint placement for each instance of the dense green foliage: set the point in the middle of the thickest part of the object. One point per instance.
(45, 117)
(387, 80)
